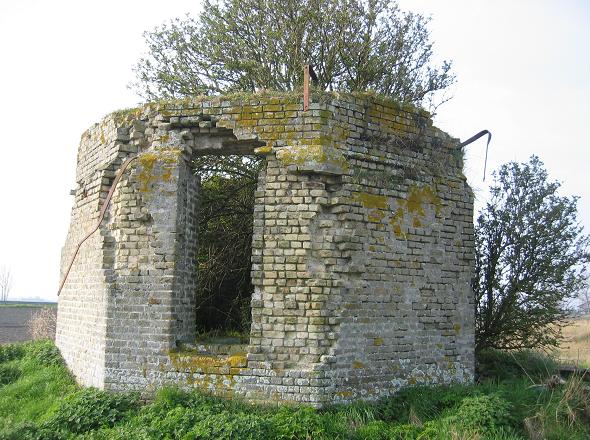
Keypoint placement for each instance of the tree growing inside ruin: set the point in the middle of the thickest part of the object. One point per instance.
(249, 45)
(530, 259)
(5, 283)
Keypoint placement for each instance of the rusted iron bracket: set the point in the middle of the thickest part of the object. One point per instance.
(306, 87)
(473, 139)
(100, 219)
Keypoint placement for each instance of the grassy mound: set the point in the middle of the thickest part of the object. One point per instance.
(39, 400)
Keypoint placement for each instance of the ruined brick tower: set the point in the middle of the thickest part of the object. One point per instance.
(362, 251)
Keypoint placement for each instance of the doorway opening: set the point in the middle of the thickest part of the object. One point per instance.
(226, 215)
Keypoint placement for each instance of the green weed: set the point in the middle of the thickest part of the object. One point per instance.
(39, 400)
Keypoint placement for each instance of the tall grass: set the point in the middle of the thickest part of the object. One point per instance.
(40, 382)
(576, 346)
(514, 400)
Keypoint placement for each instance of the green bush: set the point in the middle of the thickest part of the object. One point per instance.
(170, 397)
(304, 423)
(422, 402)
(379, 430)
(11, 352)
(404, 432)
(120, 432)
(483, 413)
(228, 426)
(41, 401)
(44, 353)
(22, 431)
(171, 402)
(31, 431)
(8, 374)
(177, 422)
(89, 409)
(524, 399)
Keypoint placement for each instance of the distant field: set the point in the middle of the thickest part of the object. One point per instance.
(27, 304)
(576, 348)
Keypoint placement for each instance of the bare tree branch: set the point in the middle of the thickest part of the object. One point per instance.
(5, 283)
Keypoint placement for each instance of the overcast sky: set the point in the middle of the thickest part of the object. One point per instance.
(523, 72)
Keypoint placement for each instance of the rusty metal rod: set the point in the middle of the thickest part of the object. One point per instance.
(309, 75)
(100, 219)
(306, 87)
(473, 139)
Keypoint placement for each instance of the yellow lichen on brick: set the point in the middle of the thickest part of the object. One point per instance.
(357, 364)
(415, 207)
(375, 215)
(418, 197)
(310, 153)
(377, 342)
(396, 222)
(237, 360)
(147, 169)
(125, 116)
(167, 174)
(374, 201)
(267, 149)
(164, 138)
(217, 373)
(146, 173)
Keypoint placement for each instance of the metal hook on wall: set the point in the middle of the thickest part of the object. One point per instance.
(473, 139)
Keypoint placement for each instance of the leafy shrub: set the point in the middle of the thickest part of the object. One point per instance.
(306, 422)
(171, 397)
(120, 432)
(22, 431)
(483, 413)
(31, 431)
(8, 374)
(228, 426)
(44, 353)
(89, 409)
(423, 402)
(11, 352)
(404, 432)
(379, 430)
(177, 422)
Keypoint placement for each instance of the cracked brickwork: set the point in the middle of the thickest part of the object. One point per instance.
(362, 251)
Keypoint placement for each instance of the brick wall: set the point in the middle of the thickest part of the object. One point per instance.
(362, 251)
